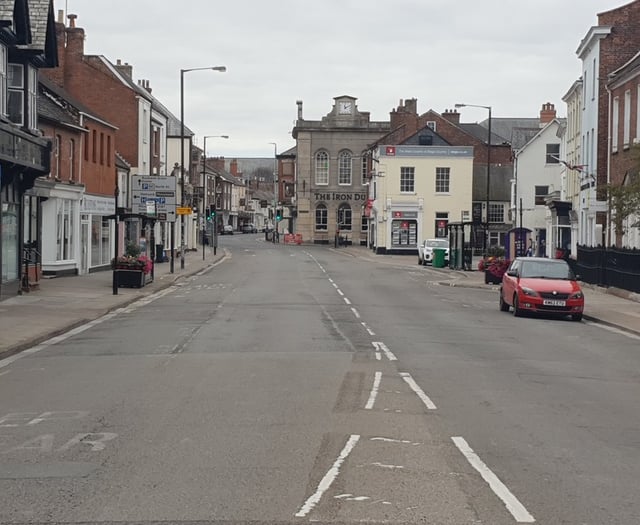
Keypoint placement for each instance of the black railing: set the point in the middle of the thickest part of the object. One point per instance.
(618, 267)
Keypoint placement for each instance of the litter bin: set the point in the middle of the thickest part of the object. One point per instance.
(438, 257)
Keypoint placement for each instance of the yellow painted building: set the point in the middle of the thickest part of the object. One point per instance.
(415, 191)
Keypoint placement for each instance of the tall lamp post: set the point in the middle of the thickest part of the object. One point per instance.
(486, 224)
(275, 189)
(205, 187)
(221, 69)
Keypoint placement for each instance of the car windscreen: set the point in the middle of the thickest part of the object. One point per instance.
(546, 270)
(438, 244)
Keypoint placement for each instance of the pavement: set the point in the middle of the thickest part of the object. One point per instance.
(63, 303)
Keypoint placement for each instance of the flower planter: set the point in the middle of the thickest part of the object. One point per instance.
(130, 278)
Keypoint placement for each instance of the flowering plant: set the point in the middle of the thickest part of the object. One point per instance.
(132, 262)
(495, 267)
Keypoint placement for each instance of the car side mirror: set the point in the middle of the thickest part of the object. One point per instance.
(512, 273)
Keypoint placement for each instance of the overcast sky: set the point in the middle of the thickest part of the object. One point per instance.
(511, 55)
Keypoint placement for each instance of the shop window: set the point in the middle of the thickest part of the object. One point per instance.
(321, 218)
(442, 220)
(404, 233)
(344, 217)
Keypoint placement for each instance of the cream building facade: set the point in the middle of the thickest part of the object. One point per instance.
(415, 191)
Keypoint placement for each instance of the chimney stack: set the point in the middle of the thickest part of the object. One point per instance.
(125, 69)
(452, 116)
(547, 114)
(405, 114)
(299, 103)
(75, 40)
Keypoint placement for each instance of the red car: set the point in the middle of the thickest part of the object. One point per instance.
(540, 285)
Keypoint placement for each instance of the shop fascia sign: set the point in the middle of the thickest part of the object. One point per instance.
(426, 151)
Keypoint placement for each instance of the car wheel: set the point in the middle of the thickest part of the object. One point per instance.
(517, 311)
(576, 317)
(504, 307)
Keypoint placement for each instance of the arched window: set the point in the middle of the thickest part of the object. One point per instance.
(344, 217)
(321, 217)
(322, 168)
(344, 168)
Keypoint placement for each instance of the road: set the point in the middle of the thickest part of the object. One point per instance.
(291, 384)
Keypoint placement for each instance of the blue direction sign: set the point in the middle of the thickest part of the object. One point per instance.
(147, 189)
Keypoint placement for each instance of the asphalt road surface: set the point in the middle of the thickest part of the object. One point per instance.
(293, 384)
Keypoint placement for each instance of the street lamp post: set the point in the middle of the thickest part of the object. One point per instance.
(275, 189)
(221, 69)
(205, 187)
(486, 225)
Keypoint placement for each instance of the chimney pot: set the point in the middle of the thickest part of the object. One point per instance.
(72, 20)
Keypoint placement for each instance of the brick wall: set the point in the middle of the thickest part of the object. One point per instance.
(615, 50)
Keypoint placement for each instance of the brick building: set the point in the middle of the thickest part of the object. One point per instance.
(79, 191)
(605, 48)
(624, 86)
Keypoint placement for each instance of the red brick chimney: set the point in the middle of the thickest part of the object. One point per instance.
(452, 116)
(407, 114)
(75, 38)
(547, 114)
(233, 167)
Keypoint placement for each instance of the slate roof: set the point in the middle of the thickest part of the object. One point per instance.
(480, 132)
(39, 17)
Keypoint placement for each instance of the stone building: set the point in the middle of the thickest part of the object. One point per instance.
(332, 171)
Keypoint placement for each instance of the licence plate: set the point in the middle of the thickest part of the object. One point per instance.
(554, 302)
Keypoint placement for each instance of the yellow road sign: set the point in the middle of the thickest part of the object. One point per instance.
(183, 211)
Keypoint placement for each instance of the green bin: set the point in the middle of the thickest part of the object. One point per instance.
(438, 257)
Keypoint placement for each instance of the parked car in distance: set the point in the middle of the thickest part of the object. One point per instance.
(541, 285)
(425, 250)
(249, 228)
(227, 229)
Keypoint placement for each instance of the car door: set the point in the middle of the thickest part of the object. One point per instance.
(509, 282)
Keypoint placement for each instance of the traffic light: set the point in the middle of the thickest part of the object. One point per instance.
(278, 214)
(211, 213)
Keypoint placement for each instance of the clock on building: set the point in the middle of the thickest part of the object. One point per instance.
(345, 107)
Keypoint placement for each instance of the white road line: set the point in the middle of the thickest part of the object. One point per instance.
(374, 391)
(378, 356)
(334, 285)
(419, 392)
(355, 312)
(340, 292)
(328, 478)
(383, 348)
(330, 280)
(516, 508)
(347, 300)
(368, 329)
